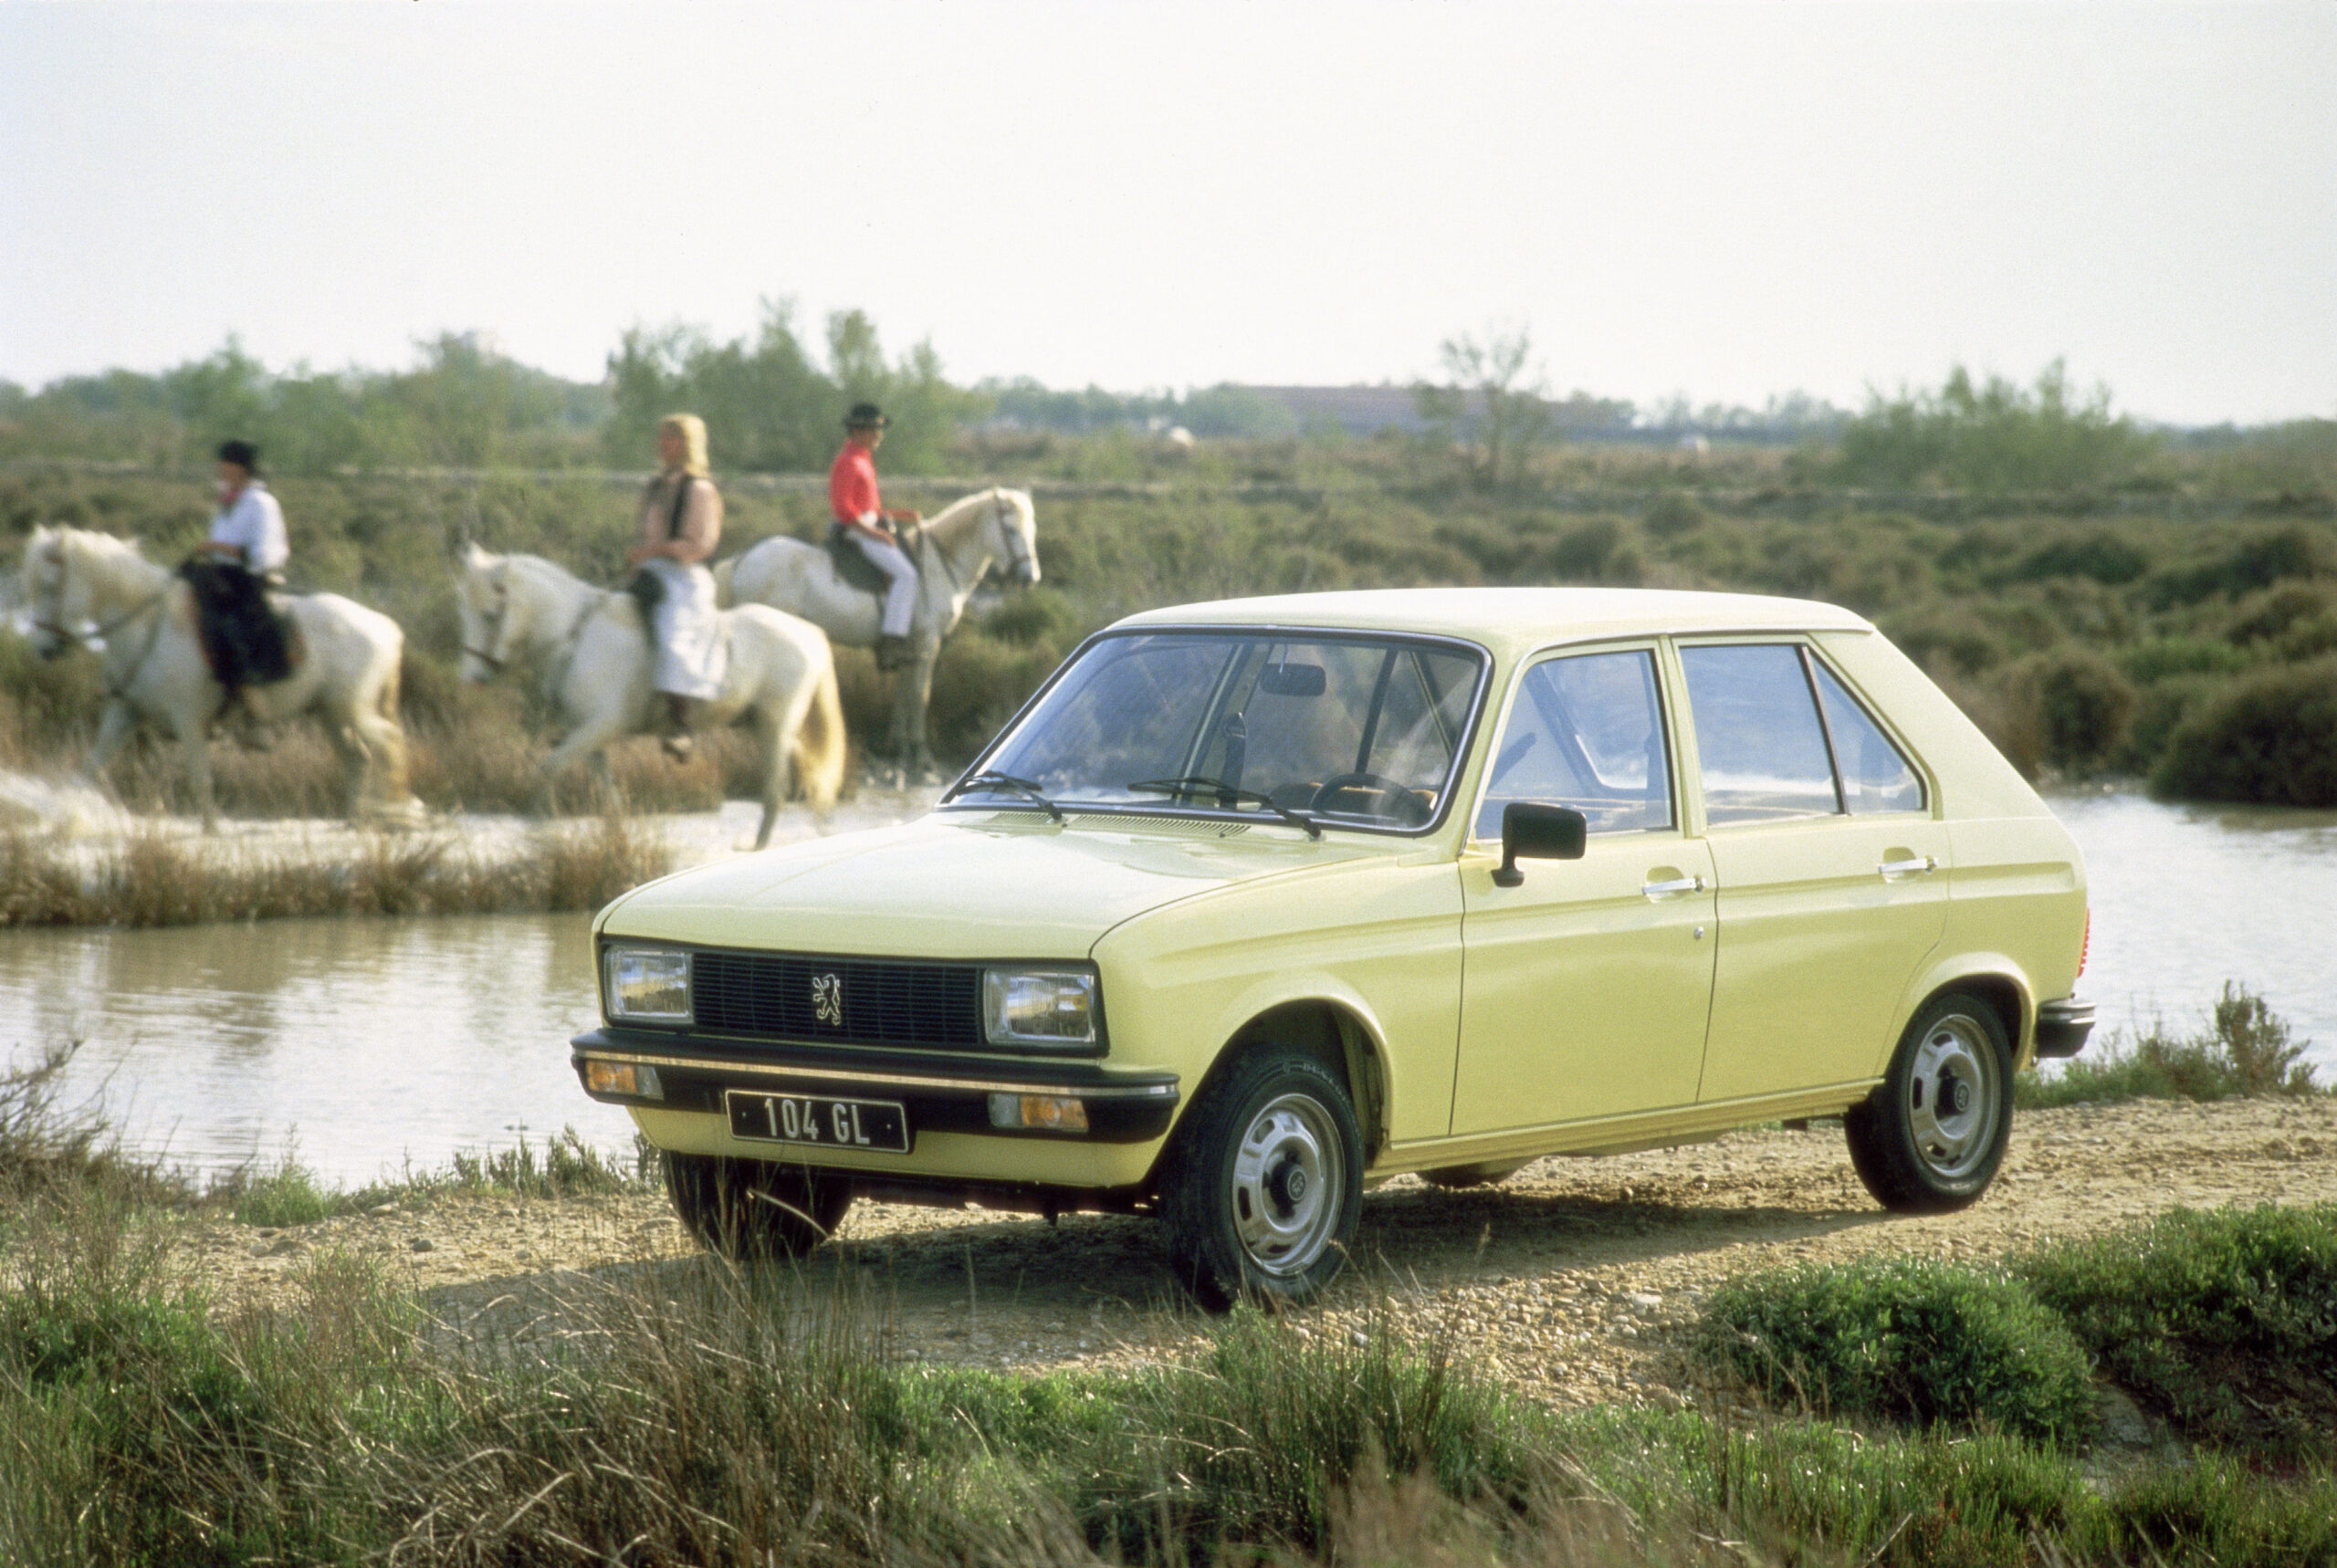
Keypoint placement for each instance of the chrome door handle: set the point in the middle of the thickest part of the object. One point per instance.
(1915, 867)
(1666, 889)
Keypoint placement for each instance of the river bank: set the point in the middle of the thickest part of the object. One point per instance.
(473, 1371)
(70, 857)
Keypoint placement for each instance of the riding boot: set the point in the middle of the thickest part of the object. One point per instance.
(891, 653)
(254, 732)
(675, 736)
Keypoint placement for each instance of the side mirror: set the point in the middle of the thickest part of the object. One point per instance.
(1530, 831)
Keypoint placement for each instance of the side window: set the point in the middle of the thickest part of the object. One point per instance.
(1875, 775)
(1585, 731)
(1760, 751)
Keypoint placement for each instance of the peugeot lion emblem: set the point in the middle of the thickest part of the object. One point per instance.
(827, 1000)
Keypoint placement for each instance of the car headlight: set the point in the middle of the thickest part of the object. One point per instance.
(1045, 1007)
(648, 984)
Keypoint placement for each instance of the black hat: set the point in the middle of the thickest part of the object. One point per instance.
(865, 416)
(242, 454)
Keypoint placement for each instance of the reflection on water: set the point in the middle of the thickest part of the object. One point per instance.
(375, 1041)
(381, 1041)
(2186, 897)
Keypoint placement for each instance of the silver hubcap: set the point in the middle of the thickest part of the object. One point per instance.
(1289, 1174)
(1954, 1097)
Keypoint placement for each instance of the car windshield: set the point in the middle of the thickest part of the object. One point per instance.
(1345, 731)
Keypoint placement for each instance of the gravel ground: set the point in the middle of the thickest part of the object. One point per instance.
(1569, 1279)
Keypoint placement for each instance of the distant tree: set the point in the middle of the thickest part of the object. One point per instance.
(1993, 435)
(768, 406)
(1509, 413)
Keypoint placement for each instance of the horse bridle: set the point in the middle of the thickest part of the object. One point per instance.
(1018, 554)
(567, 639)
(116, 688)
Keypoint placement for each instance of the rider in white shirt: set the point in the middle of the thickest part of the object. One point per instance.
(230, 572)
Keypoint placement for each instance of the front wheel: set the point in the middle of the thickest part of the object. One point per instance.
(1265, 1190)
(753, 1210)
(1929, 1140)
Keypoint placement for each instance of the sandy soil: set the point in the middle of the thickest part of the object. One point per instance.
(1567, 1279)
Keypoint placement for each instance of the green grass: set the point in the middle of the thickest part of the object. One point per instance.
(693, 1415)
(2244, 1050)
(286, 1193)
(1905, 1340)
(2224, 1322)
(689, 1412)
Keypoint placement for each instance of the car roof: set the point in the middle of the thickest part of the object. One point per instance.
(1512, 619)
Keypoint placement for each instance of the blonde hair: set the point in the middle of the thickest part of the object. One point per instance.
(693, 433)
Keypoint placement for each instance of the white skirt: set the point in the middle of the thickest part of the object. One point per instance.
(691, 653)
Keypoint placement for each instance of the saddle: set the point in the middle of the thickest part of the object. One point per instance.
(854, 569)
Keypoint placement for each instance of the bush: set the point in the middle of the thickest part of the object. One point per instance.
(2225, 1322)
(1903, 1339)
(2246, 1049)
(2076, 706)
(2269, 739)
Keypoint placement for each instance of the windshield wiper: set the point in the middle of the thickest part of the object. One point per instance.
(1228, 795)
(1023, 787)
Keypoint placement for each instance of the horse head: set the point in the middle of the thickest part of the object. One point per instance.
(482, 599)
(1017, 529)
(58, 587)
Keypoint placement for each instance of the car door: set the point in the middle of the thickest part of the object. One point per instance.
(1584, 989)
(1832, 871)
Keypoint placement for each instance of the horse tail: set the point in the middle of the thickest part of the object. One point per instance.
(724, 598)
(820, 741)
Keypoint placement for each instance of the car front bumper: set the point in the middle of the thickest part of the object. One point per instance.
(943, 1095)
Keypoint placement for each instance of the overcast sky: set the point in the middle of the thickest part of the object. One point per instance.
(1727, 200)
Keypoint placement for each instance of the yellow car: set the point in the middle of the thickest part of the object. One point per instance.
(1258, 903)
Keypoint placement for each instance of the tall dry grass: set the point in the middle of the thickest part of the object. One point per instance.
(154, 878)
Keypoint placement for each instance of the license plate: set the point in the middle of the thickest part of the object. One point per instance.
(817, 1121)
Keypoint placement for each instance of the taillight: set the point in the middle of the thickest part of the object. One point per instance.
(2085, 946)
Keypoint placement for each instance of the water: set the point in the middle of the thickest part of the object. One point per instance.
(2186, 897)
(377, 1042)
(372, 1042)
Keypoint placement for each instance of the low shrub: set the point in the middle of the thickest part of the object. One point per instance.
(2270, 737)
(1903, 1339)
(2246, 1049)
(2225, 1322)
(2267, 616)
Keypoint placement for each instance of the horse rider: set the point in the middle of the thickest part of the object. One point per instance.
(860, 517)
(230, 573)
(681, 522)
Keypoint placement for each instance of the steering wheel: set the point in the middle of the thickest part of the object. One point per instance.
(1402, 803)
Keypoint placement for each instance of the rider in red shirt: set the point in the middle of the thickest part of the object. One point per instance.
(861, 517)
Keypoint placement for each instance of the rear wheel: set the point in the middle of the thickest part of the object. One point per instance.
(753, 1210)
(1930, 1139)
(1265, 1190)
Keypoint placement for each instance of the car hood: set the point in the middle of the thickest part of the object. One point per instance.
(965, 885)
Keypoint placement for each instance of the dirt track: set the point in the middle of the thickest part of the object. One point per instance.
(1562, 1279)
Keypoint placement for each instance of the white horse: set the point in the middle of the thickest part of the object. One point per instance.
(953, 550)
(597, 668)
(154, 668)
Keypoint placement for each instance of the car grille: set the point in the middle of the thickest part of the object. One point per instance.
(794, 997)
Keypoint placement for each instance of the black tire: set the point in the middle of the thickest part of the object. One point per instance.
(1266, 1187)
(753, 1210)
(1915, 1159)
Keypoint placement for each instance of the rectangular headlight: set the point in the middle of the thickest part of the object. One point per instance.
(649, 984)
(1044, 1007)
